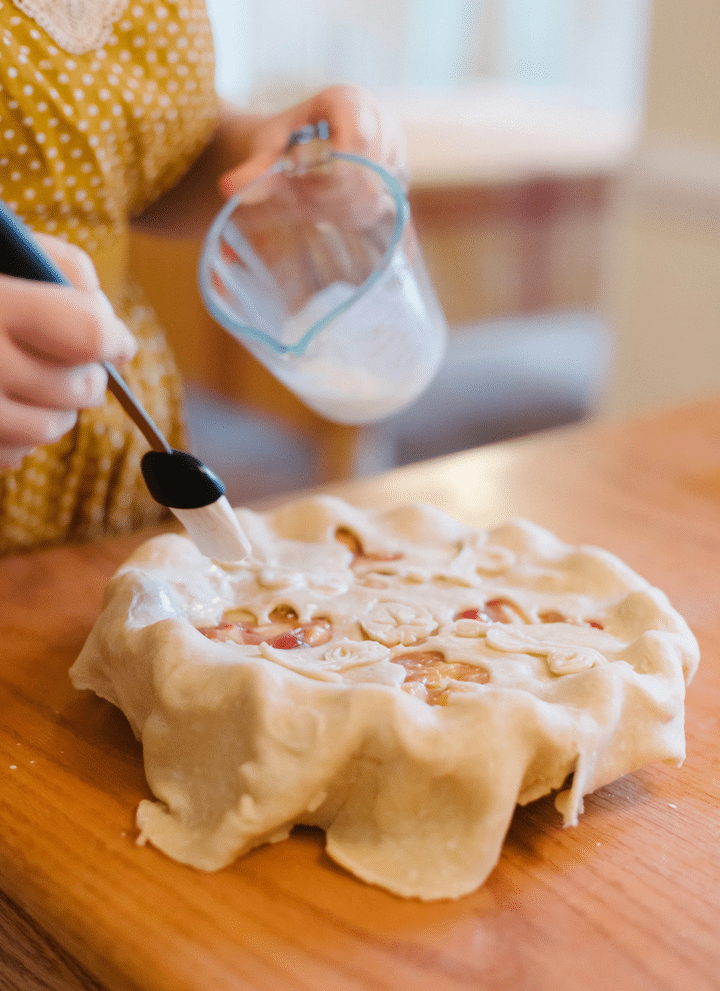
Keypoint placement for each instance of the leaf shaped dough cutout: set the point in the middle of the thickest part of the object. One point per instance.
(561, 658)
(355, 654)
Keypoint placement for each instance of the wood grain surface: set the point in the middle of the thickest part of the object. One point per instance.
(629, 899)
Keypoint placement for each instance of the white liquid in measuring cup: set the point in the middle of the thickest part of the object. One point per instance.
(375, 358)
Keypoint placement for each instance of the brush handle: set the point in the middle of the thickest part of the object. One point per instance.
(22, 256)
(137, 413)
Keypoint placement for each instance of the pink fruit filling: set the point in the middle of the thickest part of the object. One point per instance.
(283, 631)
(503, 611)
(494, 611)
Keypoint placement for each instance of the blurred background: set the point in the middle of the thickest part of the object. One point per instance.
(564, 158)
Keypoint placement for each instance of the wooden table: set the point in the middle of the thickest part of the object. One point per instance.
(628, 900)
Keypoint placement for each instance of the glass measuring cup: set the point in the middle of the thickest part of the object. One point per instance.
(316, 269)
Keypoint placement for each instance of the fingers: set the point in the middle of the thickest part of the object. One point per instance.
(268, 144)
(12, 457)
(25, 427)
(49, 385)
(53, 340)
(73, 261)
(39, 401)
(62, 325)
(358, 124)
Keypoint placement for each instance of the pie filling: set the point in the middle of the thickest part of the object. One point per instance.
(283, 632)
(428, 674)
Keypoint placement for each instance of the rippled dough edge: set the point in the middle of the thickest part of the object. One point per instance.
(414, 798)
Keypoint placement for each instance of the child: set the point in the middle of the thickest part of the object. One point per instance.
(110, 119)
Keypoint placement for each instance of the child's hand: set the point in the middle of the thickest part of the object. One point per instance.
(358, 123)
(52, 339)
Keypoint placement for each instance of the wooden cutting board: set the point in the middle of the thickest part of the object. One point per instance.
(629, 899)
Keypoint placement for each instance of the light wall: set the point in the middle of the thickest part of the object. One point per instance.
(663, 272)
(271, 52)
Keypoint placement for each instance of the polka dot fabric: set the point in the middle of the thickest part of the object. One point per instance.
(87, 141)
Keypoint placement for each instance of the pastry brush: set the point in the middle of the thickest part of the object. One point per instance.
(174, 478)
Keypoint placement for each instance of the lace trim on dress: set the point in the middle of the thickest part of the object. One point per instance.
(77, 26)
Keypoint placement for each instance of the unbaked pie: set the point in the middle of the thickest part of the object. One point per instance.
(397, 678)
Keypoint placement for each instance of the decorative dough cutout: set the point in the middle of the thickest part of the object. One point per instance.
(393, 623)
(561, 658)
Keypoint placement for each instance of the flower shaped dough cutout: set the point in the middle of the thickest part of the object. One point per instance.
(393, 623)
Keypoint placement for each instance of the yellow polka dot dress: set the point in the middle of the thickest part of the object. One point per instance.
(98, 116)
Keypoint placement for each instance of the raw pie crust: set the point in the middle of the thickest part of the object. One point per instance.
(457, 672)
